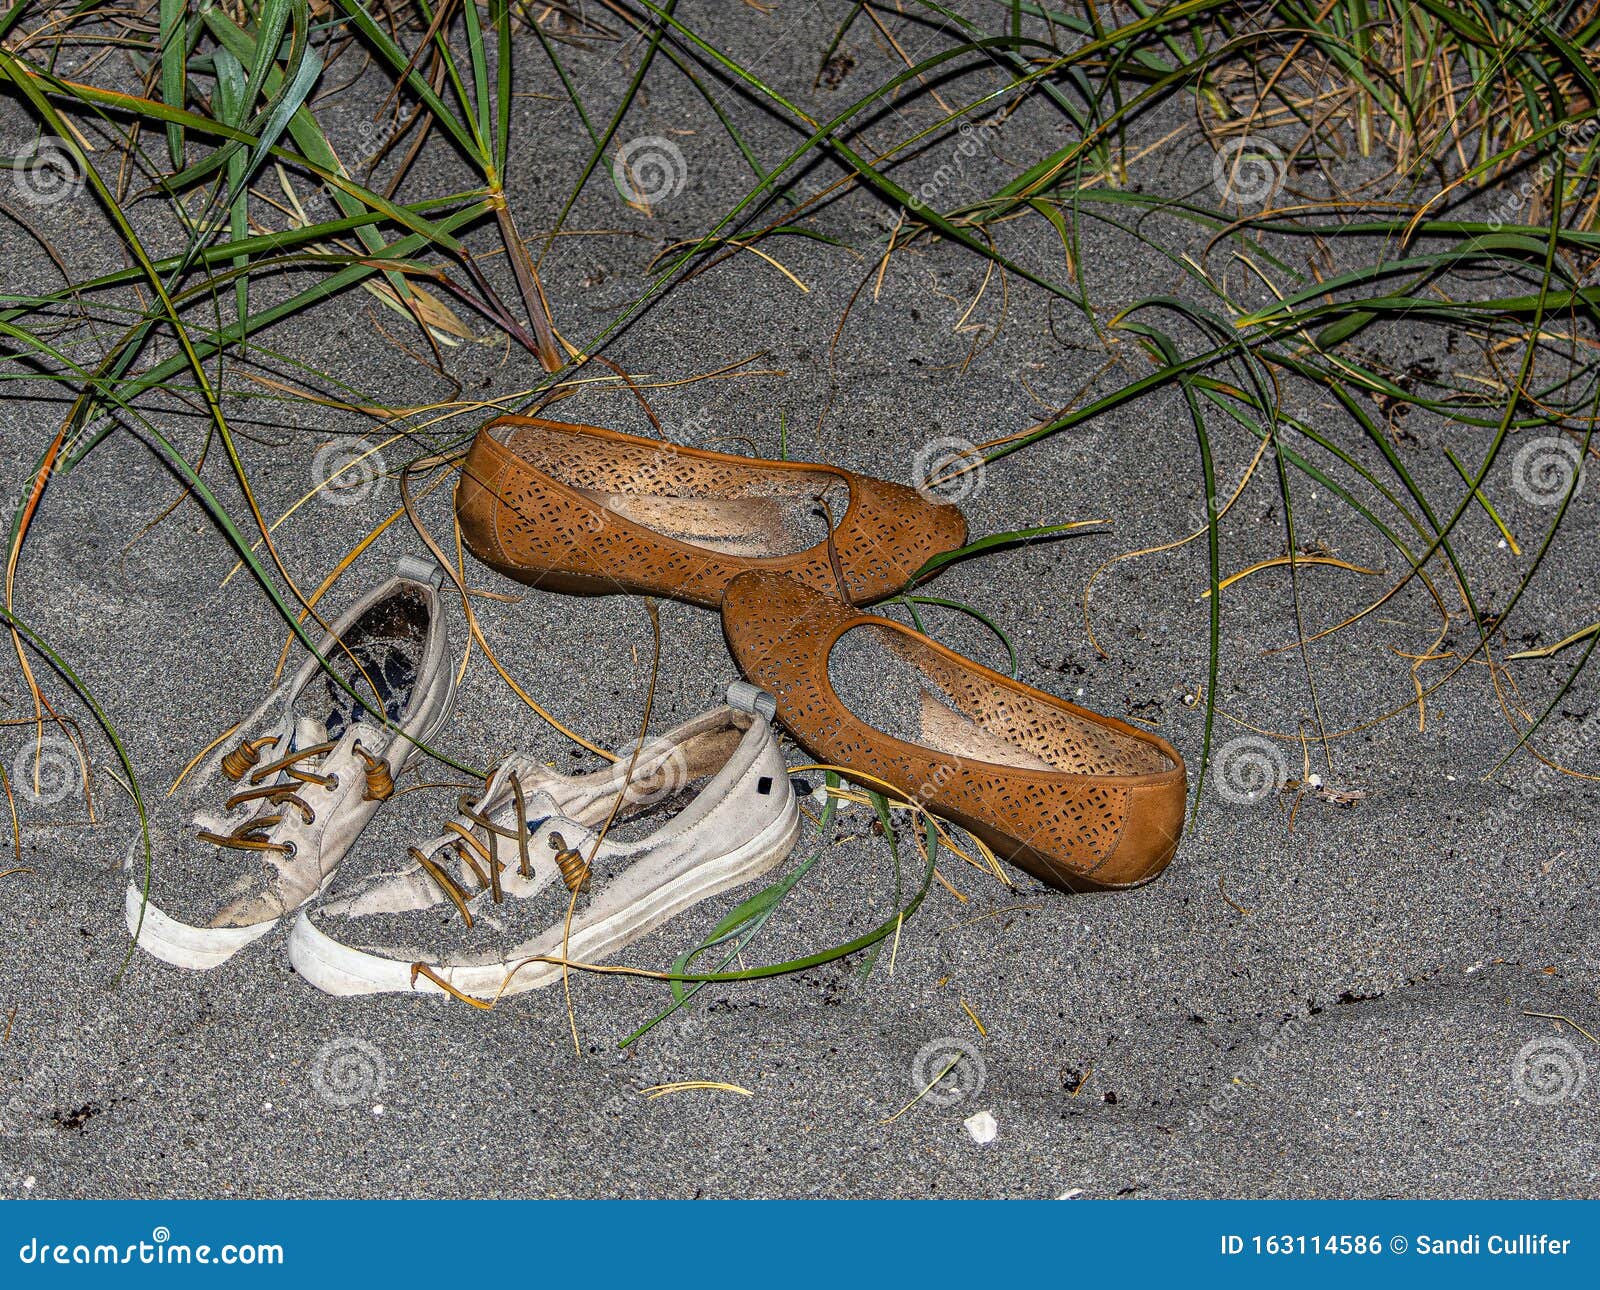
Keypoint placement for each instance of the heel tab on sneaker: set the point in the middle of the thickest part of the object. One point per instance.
(752, 699)
(418, 569)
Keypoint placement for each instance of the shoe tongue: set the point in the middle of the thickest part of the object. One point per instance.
(530, 776)
(501, 805)
(308, 733)
(501, 800)
(540, 807)
(305, 732)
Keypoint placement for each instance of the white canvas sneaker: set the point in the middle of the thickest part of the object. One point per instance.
(494, 888)
(274, 807)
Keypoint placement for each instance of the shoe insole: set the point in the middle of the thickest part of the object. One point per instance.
(746, 507)
(753, 527)
(386, 646)
(730, 526)
(887, 692)
(902, 688)
(955, 732)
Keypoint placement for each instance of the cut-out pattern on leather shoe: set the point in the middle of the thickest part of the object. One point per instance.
(1076, 798)
(590, 511)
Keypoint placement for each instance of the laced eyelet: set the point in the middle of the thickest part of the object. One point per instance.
(380, 782)
(244, 758)
(277, 797)
(333, 782)
(574, 869)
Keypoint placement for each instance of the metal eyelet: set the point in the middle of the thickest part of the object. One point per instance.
(333, 782)
(292, 852)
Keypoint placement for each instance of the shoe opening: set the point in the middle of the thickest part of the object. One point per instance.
(670, 774)
(727, 507)
(905, 689)
(380, 661)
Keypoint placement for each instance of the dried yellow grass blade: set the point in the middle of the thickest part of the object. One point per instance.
(691, 1085)
(1278, 560)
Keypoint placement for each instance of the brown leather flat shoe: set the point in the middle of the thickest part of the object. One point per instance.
(1075, 798)
(592, 512)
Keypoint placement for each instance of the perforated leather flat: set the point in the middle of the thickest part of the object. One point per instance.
(589, 511)
(1078, 799)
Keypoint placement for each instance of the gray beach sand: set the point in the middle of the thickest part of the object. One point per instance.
(1336, 1004)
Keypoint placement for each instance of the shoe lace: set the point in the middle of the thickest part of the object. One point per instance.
(244, 760)
(574, 870)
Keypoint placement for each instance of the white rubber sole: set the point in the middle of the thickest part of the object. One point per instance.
(339, 970)
(197, 948)
(201, 948)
